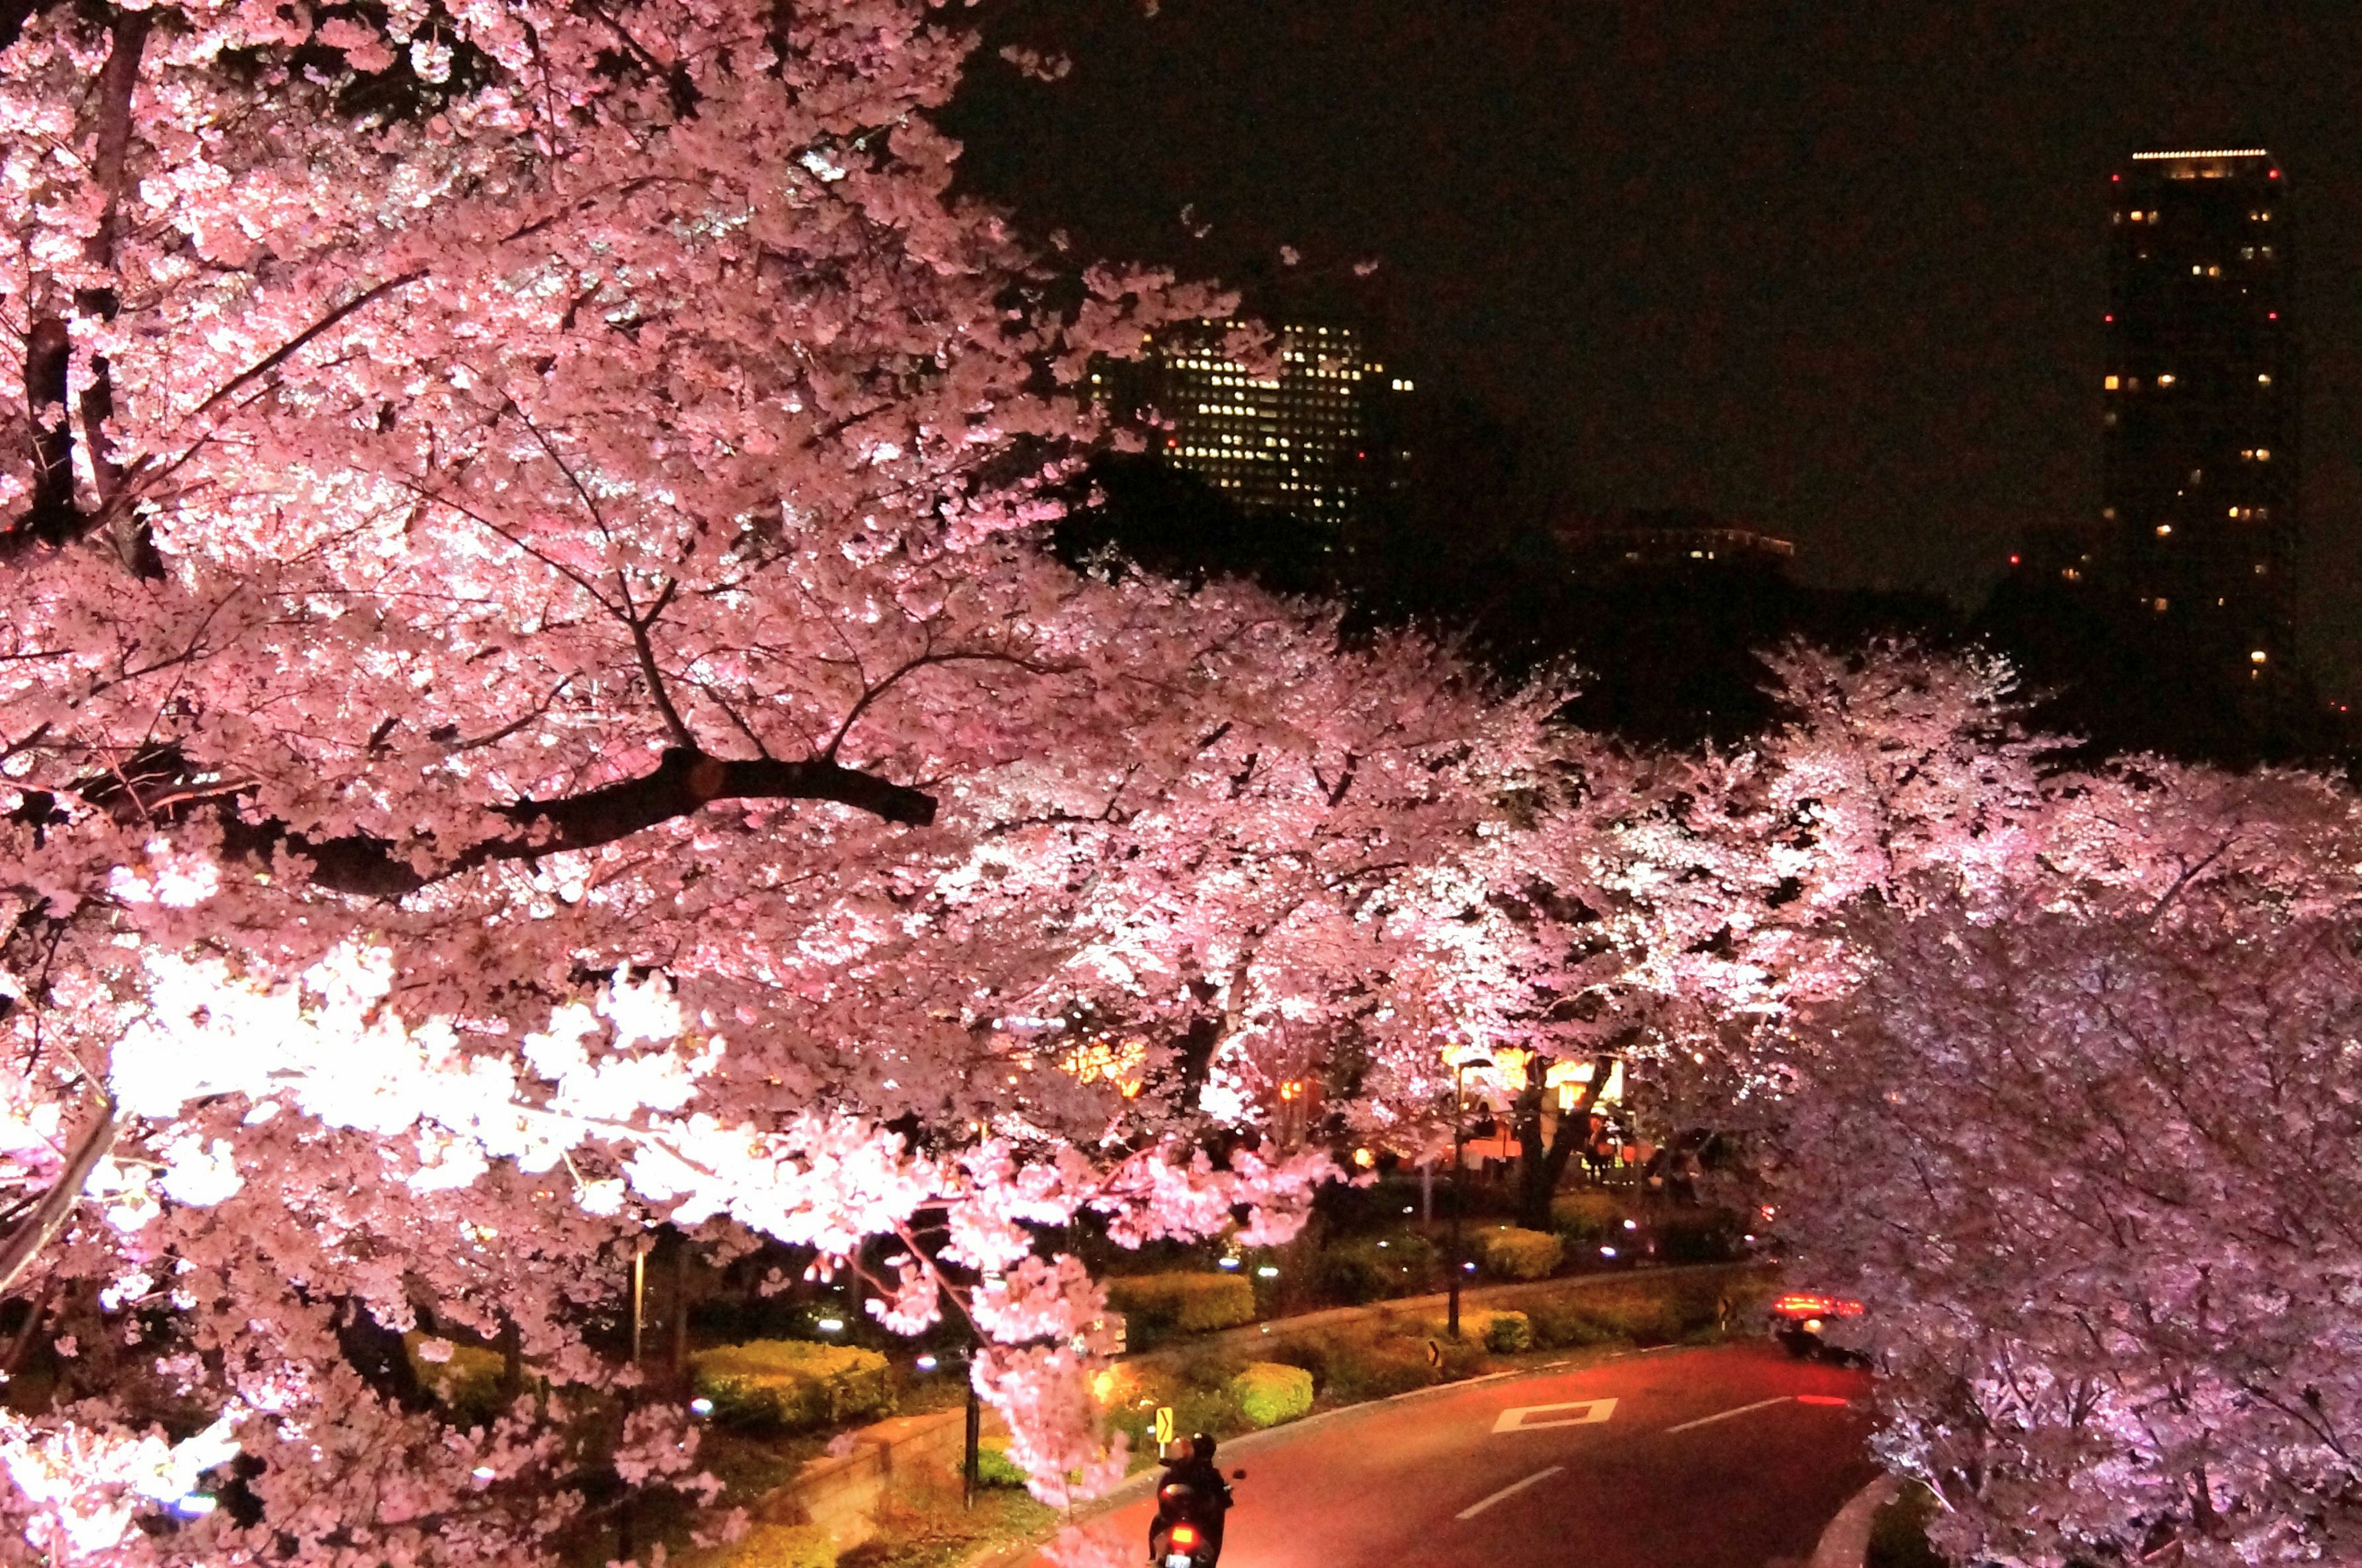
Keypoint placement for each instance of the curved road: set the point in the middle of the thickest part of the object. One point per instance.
(1730, 1457)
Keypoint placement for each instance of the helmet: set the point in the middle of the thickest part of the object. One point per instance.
(1203, 1446)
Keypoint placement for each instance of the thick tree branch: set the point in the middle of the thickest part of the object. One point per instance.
(36, 1230)
(682, 783)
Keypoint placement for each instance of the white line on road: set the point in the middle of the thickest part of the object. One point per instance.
(1473, 1509)
(1725, 1414)
(1520, 1418)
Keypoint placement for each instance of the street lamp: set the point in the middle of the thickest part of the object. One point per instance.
(1459, 1188)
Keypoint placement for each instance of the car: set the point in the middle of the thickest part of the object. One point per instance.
(1816, 1327)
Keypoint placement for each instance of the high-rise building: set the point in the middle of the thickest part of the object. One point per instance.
(1310, 435)
(2200, 403)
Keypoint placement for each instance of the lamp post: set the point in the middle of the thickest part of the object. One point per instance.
(1459, 1190)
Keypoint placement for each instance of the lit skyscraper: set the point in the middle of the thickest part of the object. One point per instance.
(1312, 437)
(2200, 409)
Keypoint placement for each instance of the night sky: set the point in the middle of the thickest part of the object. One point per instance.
(1836, 268)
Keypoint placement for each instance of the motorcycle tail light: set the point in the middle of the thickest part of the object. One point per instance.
(1185, 1535)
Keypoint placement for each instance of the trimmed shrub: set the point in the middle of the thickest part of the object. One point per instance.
(1503, 1333)
(784, 1546)
(784, 1383)
(995, 1468)
(1399, 1263)
(1560, 1322)
(1373, 1369)
(1269, 1393)
(1522, 1254)
(1643, 1319)
(467, 1385)
(1587, 1216)
(1182, 1303)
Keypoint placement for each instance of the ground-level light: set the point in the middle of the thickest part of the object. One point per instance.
(831, 1325)
(926, 1363)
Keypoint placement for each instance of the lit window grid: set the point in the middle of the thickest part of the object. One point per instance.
(1239, 431)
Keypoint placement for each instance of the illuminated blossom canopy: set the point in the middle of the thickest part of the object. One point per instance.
(527, 710)
(530, 709)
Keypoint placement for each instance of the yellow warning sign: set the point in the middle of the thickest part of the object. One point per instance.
(1163, 1425)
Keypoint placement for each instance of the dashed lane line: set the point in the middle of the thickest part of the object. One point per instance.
(1511, 1490)
(1725, 1414)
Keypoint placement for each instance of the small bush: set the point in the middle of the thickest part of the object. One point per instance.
(995, 1468)
(467, 1385)
(784, 1546)
(1560, 1322)
(1269, 1392)
(784, 1383)
(1374, 1369)
(1181, 1303)
(1522, 1254)
(1503, 1333)
(1399, 1263)
(1699, 1235)
(1506, 1333)
(1643, 1319)
(1587, 1216)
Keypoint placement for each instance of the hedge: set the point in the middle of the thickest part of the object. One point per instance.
(1182, 1303)
(1522, 1254)
(1503, 1333)
(1587, 1216)
(467, 1384)
(783, 1384)
(1399, 1263)
(784, 1546)
(1269, 1392)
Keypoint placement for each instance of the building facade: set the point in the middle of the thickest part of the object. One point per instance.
(1311, 434)
(2199, 415)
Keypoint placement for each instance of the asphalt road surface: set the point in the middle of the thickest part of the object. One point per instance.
(1730, 1457)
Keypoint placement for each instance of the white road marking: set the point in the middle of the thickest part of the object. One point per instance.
(1725, 1414)
(1473, 1509)
(1590, 1413)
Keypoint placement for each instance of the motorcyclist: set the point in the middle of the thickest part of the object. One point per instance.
(1207, 1500)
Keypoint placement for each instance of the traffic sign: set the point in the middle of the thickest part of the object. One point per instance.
(1163, 1425)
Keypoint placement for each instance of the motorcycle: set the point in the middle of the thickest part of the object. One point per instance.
(1181, 1538)
(1802, 1324)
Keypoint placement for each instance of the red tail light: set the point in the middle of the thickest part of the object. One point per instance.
(1185, 1535)
(1816, 1307)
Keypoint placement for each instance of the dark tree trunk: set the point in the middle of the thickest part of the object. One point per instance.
(1541, 1163)
(378, 1354)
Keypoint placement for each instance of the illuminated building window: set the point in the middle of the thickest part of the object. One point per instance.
(2163, 529)
(2259, 570)
(2112, 383)
(2159, 605)
(2262, 380)
(2258, 656)
(2166, 380)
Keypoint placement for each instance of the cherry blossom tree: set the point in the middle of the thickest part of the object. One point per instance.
(529, 710)
(2058, 1078)
(2097, 1177)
